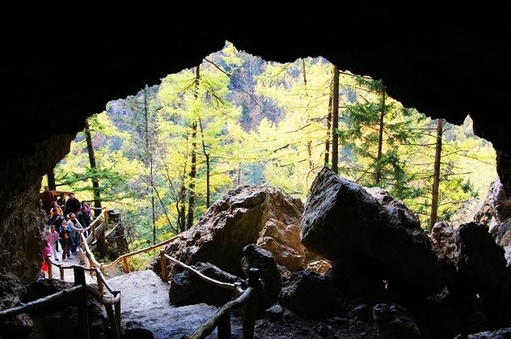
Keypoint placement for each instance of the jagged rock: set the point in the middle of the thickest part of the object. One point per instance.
(503, 333)
(496, 208)
(443, 241)
(275, 312)
(282, 239)
(344, 223)
(496, 213)
(57, 319)
(117, 243)
(263, 260)
(483, 273)
(309, 293)
(355, 287)
(11, 289)
(236, 220)
(18, 327)
(479, 259)
(395, 321)
(186, 288)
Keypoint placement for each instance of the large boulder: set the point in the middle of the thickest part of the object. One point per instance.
(483, 276)
(370, 236)
(242, 216)
(496, 213)
(187, 288)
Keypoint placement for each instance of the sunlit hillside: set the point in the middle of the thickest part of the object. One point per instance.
(166, 153)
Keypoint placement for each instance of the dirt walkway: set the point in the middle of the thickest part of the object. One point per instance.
(145, 304)
(65, 268)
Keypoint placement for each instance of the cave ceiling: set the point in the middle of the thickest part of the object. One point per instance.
(62, 62)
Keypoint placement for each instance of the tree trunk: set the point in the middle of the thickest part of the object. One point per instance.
(335, 120)
(51, 180)
(193, 162)
(380, 137)
(181, 212)
(94, 179)
(436, 174)
(328, 128)
(208, 168)
(150, 160)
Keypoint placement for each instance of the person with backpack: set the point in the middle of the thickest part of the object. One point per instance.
(76, 229)
(84, 218)
(65, 236)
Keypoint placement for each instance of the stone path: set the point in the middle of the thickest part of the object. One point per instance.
(67, 265)
(145, 303)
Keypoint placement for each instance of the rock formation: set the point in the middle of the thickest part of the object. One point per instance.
(243, 216)
(386, 271)
(386, 275)
(435, 66)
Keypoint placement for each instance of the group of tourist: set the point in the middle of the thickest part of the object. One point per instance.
(66, 219)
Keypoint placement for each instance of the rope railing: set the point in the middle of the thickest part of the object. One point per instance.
(78, 295)
(243, 299)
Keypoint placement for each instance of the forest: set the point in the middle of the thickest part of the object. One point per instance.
(163, 155)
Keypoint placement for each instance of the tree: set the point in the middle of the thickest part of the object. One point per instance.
(376, 137)
(436, 174)
(195, 112)
(335, 119)
(96, 190)
(294, 146)
(236, 119)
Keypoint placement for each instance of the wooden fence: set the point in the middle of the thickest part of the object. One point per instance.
(243, 299)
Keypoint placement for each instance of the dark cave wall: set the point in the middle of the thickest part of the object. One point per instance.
(21, 220)
(58, 69)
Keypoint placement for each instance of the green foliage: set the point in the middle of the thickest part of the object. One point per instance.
(248, 121)
(140, 261)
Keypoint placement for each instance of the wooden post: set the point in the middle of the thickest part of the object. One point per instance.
(126, 266)
(163, 265)
(116, 330)
(50, 267)
(117, 306)
(83, 314)
(100, 285)
(224, 327)
(250, 310)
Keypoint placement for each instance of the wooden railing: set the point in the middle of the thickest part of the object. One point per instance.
(124, 258)
(243, 299)
(112, 302)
